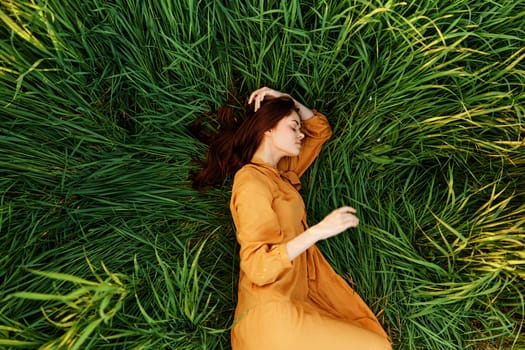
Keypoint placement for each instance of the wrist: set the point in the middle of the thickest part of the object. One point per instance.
(304, 112)
(314, 234)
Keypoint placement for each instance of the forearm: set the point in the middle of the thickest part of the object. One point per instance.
(301, 243)
(334, 223)
(304, 112)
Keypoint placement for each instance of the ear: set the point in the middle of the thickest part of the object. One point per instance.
(268, 132)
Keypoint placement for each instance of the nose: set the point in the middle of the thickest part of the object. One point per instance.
(301, 135)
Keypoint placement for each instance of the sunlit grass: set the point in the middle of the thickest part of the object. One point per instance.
(105, 245)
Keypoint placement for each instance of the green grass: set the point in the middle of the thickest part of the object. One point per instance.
(105, 245)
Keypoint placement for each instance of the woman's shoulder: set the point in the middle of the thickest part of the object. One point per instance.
(250, 172)
(253, 175)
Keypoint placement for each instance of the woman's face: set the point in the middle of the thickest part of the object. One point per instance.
(286, 136)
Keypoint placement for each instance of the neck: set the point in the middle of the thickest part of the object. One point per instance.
(267, 155)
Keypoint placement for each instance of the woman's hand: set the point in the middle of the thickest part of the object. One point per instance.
(265, 92)
(334, 223)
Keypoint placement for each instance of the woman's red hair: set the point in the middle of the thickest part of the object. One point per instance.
(236, 140)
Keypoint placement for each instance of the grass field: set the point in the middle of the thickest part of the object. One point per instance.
(104, 245)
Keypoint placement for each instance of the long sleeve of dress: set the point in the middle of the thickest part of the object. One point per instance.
(263, 255)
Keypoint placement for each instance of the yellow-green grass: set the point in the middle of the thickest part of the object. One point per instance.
(104, 243)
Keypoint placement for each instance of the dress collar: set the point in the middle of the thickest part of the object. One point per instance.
(289, 175)
(258, 161)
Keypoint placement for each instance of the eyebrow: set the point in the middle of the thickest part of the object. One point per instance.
(298, 123)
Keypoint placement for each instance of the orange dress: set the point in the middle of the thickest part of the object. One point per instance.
(301, 304)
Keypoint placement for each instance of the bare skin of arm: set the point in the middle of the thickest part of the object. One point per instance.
(333, 224)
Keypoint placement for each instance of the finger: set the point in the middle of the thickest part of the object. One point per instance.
(345, 210)
(259, 101)
(349, 217)
(353, 222)
(348, 209)
(252, 96)
(256, 93)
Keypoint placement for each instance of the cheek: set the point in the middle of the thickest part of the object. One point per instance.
(291, 137)
(285, 136)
